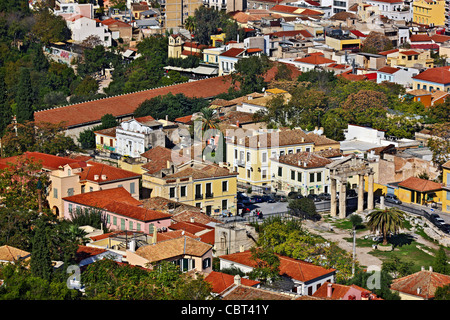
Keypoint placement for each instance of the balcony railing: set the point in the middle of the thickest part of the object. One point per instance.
(198, 196)
(209, 195)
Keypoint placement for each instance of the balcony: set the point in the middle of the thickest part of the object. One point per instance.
(198, 196)
(209, 195)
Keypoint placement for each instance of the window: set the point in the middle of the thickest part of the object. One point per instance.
(224, 186)
(115, 221)
(290, 151)
(292, 175)
(311, 177)
(69, 172)
(108, 218)
(206, 263)
(172, 192)
(281, 153)
(248, 173)
(224, 204)
(248, 156)
(264, 157)
(183, 191)
(70, 192)
(83, 189)
(130, 225)
(55, 193)
(235, 153)
(299, 176)
(91, 189)
(319, 176)
(122, 224)
(280, 171)
(132, 187)
(71, 205)
(264, 174)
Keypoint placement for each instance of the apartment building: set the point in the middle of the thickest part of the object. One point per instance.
(175, 12)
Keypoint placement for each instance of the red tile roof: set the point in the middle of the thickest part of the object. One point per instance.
(420, 185)
(185, 119)
(84, 252)
(385, 53)
(101, 198)
(283, 8)
(135, 212)
(339, 291)
(233, 52)
(295, 269)
(390, 70)
(423, 283)
(419, 38)
(437, 75)
(291, 33)
(126, 104)
(316, 60)
(105, 173)
(358, 33)
(440, 38)
(409, 52)
(49, 162)
(221, 281)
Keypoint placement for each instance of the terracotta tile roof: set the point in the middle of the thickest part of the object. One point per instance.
(11, 254)
(144, 119)
(316, 60)
(446, 165)
(173, 248)
(284, 8)
(272, 72)
(299, 159)
(164, 205)
(192, 227)
(243, 292)
(358, 33)
(291, 33)
(309, 12)
(419, 38)
(237, 117)
(233, 52)
(101, 198)
(385, 53)
(48, 161)
(339, 291)
(158, 157)
(409, 52)
(390, 70)
(436, 75)
(423, 283)
(296, 269)
(389, 1)
(135, 212)
(116, 23)
(185, 119)
(420, 185)
(110, 132)
(321, 140)
(419, 92)
(191, 53)
(105, 173)
(280, 138)
(253, 50)
(197, 215)
(440, 38)
(126, 104)
(84, 252)
(221, 281)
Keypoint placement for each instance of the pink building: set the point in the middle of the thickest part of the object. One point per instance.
(121, 210)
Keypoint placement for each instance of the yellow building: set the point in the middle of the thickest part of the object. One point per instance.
(419, 191)
(105, 140)
(446, 187)
(429, 12)
(218, 39)
(207, 186)
(433, 79)
(175, 12)
(175, 46)
(409, 57)
(250, 154)
(343, 43)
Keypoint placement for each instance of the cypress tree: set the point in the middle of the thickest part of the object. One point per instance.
(24, 97)
(41, 262)
(5, 109)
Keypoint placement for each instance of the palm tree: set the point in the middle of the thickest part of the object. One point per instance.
(386, 221)
(189, 24)
(209, 119)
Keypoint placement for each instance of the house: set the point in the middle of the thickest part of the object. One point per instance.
(427, 98)
(184, 251)
(10, 254)
(334, 291)
(120, 209)
(230, 57)
(119, 29)
(233, 237)
(419, 191)
(208, 186)
(420, 285)
(86, 255)
(303, 278)
(204, 232)
(339, 40)
(417, 58)
(312, 62)
(433, 79)
(254, 105)
(304, 172)
(134, 137)
(397, 75)
(83, 27)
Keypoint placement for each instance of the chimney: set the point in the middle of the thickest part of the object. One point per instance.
(132, 246)
(329, 290)
(103, 176)
(419, 290)
(237, 280)
(192, 220)
(431, 268)
(96, 177)
(422, 268)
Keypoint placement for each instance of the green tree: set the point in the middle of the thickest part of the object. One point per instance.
(387, 221)
(207, 23)
(442, 293)
(25, 98)
(41, 261)
(88, 86)
(396, 267)
(366, 107)
(50, 27)
(303, 207)
(440, 262)
(249, 73)
(5, 109)
(381, 288)
(267, 265)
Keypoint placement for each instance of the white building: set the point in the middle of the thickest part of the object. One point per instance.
(83, 27)
(399, 75)
(134, 138)
(393, 9)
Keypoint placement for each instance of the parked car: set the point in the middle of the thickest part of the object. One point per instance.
(246, 200)
(314, 197)
(392, 198)
(439, 221)
(280, 198)
(240, 205)
(256, 199)
(115, 156)
(294, 195)
(325, 196)
(446, 228)
(268, 198)
(351, 193)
